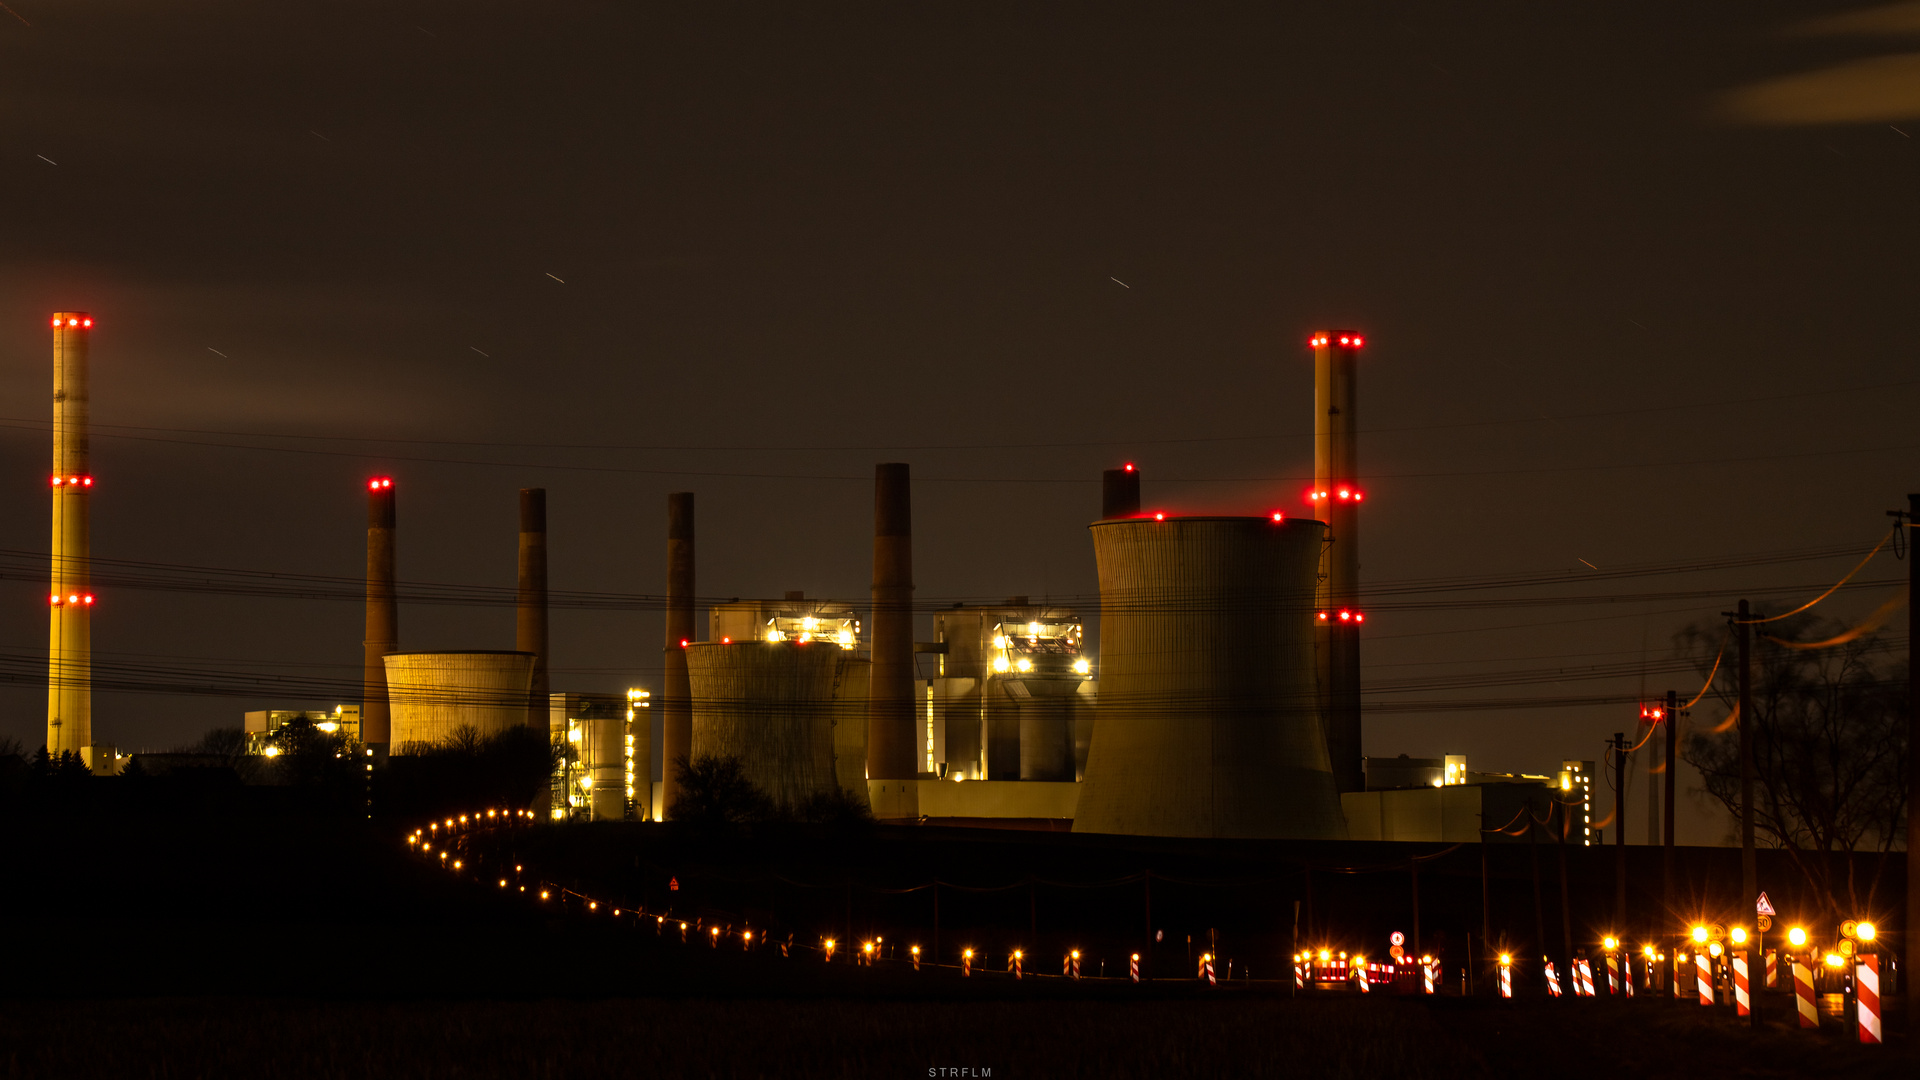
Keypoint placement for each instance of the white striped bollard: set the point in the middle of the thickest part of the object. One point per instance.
(1703, 965)
(1741, 1005)
(1299, 975)
(1013, 963)
(1866, 996)
(1803, 994)
(1427, 978)
(1613, 974)
(1582, 978)
(1773, 969)
(1553, 979)
(1073, 964)
(1206, 963)
(1506, 976)
(1626, 974)
(1358, 973)
(1133, 968)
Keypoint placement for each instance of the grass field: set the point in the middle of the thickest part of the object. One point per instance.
(1231, 1035)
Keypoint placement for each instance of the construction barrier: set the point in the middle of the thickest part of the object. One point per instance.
(1679, 974)
(1584, 973)
(1866, 995)
(1133, 968)
(1553, 980)
(966, 963)
(1206, 969)
(1359, 975)
(1506, 980)
(1613, 975)
(1704, 964)
(1626, 974)
(1741, 1005)
(1803, 994)
(1427, 976)
(1773, 969)
(1073, 965)
(916, 957)
(1013, 964)
(1299, 976)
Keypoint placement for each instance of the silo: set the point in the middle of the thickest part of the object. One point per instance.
(1207, 717)
(771, 704)
(434, 696)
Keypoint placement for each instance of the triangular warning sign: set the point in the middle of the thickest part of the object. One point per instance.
(1764, 906)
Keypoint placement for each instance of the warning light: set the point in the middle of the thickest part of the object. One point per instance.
(1322, 616)
(54, 599)
(1159, 517)
(1278, 516)
(684, 643)
(726, 641)
(379, 483)
(1129, 466)
(1345, 615)
(1345, 494)
(87, 599)
(1359, 618)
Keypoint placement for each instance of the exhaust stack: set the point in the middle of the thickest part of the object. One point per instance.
(383, 617)
(530, 616)
(890, 727)
(676, 692)
(1120, 493)
(1336, 497)
(70, 631)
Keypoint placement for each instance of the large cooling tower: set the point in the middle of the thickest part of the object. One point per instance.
(435, 695)
(771, 705)
(1207, 717)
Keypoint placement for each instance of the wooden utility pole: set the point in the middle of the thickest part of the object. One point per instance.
(1670, 717)
(1913, 768)
(1620, 834)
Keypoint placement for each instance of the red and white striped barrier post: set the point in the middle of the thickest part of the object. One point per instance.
(1073, 962)
(1741, 1005)
(966, 962)
(1704, 969)
(1013, 963)
(1866, 996)
(1679, 974)
(1506, 976)
(1133, 968)
(1583, 975)
(915, 953)
(1626, 974)
(1553, 979)
(1427, 976)
(1206, 968)
(826, 950)
(1773, 969)
(1613, 975)
(1299, 974)
(1358, 973)
(1803, 994)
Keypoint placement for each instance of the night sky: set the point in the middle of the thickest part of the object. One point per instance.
(1638, 282)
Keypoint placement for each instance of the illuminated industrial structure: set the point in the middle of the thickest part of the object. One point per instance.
(442, 695)
(1207, 720)
(1576, 786)
(70, 597)
(1336, 498)
(1441, 800)
(1013, 697)
(602, 770)
(263, 726)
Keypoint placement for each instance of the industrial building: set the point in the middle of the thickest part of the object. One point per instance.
(1013, 697)
(604, 769)
(442, 695)
(263, 725)
(1441, 800)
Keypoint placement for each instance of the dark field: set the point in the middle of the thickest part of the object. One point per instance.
(1235, 1035)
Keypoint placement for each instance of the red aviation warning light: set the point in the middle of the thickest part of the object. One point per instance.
(1345, 615)
(1279, 517)
(1129, 466)
(73, 481)
(58, 322)
(1653, 714)
(379, 483)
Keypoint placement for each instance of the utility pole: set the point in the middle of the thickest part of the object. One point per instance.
(1913, 765)
(1670, 717)
(1620, 834)
(1749, 866)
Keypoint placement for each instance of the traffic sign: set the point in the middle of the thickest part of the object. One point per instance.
(1397, 938)
(1765, 922)
(1848, 928)
(1846, 946)
(1396, 952)
(1764, 906)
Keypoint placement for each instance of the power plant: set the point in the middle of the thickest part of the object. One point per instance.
(1223, 699)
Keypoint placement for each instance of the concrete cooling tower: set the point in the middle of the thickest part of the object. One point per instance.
(1208, 725)
(434, 695)
(771, 705)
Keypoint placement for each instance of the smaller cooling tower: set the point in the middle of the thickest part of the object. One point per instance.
(436, 695)
(1208, 724)
(771, 704)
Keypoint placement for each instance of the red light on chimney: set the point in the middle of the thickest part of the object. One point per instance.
(1278, 516)
(726, 641)
(1345, 494)
(684, 643)
(1357, 496)
(1159, 517)
(74, 599)
(1129, 466)
(88, 598)
(379, 483)
(56, 324)
(1359, 618)
(1358, 341)
(54, 599)
(1322, 616)
(86, 481)
(86, 322)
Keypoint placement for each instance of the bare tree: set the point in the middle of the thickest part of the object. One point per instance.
(1829, 738)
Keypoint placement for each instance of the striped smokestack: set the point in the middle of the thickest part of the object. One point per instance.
(383, 616)
(1120, 493)
(676, 693)
(890, 727)
(1336, 497)
(530, 613)
(70, 633)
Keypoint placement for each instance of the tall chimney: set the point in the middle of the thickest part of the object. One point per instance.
(1120, 493)
(530, 614)
(70, 620)
(676, 695)
(1336, 497)
(890, 727)
(383, 616)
